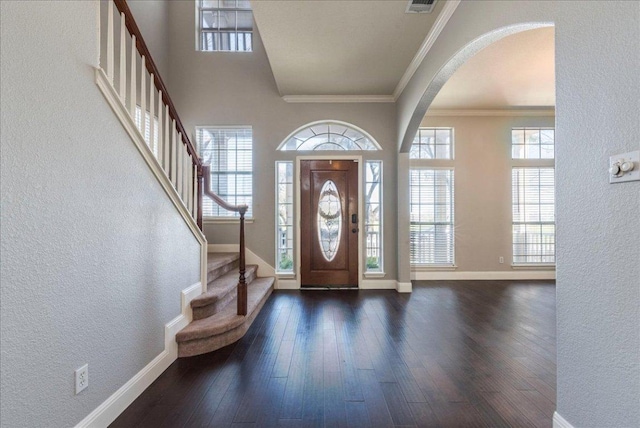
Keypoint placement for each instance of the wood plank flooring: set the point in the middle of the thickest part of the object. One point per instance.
(450, 354)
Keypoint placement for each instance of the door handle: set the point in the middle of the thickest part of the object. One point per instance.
(354, 230)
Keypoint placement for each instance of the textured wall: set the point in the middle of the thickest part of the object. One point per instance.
(94, 254)
(598, 115)
(483, 187)
(598, 266)
(217, 88)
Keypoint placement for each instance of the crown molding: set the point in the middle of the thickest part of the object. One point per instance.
(538, 112)
(446, 13)
(338, 98)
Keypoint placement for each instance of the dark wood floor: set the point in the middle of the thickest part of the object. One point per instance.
(451, 354)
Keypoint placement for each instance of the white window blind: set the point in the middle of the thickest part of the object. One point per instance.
(284, 220)
(533, 215)
(432, 216)
(432, 143)
(225, 25)
(373, 215)
(229, 151)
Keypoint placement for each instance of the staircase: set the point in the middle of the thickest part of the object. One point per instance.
(131, 83)
(215, 321)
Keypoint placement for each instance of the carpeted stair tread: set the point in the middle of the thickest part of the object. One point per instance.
(221, 286)
(220, 263)
(227, 319)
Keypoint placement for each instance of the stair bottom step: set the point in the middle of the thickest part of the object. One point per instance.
(217, 331)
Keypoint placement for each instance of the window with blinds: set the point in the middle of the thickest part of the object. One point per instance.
(534, 228)
(229, 151)
(533, 196)
(432, 143)
(225, 25)
(432, 237)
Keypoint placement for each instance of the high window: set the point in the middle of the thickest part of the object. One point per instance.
(229, 151)
(533, 196)
(225, 25)
(432, 143)
(432, 217)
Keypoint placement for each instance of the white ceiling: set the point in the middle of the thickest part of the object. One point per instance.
(363, 48)
(347, 47)
(517, 71)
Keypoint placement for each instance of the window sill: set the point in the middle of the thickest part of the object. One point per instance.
(225, 220)
(374, 274)
(533, 266)
(285, 275)
(427, 268)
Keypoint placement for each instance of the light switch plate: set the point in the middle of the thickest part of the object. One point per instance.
(633, 175)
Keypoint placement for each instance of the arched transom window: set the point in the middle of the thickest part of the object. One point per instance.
(329, 135)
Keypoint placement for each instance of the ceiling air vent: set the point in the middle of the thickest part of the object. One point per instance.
(421, 6)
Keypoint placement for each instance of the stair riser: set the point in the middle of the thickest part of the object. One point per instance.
(215, 307)
(214, 274)
(209, 344)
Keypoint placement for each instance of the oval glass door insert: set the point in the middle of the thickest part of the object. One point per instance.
(329, 220)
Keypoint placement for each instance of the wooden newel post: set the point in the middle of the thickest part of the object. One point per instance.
(242, 284)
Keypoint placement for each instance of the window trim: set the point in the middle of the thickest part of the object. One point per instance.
(229, 219)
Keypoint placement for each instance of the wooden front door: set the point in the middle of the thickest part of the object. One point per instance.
(329, 223)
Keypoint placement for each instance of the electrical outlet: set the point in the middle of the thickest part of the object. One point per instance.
(501, 259)
(82, 378)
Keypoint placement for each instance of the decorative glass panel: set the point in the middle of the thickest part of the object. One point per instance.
(329, 136)
(329, 220)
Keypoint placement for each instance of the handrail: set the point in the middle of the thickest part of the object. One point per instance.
(206, 173)
(132, 26)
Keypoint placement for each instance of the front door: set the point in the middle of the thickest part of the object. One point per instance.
(329, 223)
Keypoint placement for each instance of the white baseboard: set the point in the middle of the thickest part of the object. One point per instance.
(404, 287)
(378, 284)
(288, 284)
(264, 268)
(113, 406)
(560, 422)
(483, 276)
